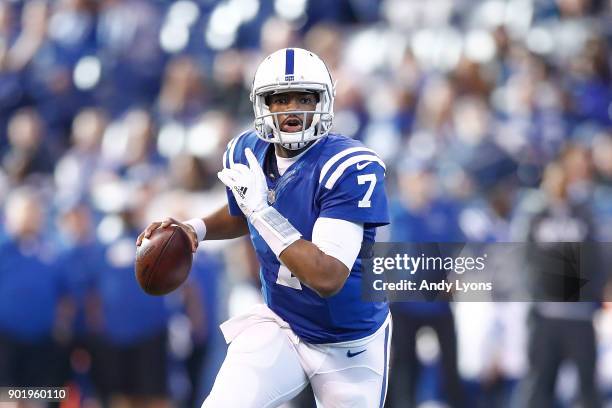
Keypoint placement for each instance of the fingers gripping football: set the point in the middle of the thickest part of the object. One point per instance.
(146, 234)
(247, 184)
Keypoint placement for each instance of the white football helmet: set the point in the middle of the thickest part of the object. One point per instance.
(287, 70)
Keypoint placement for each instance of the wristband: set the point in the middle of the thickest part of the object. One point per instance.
(275, 229)
(198, 226)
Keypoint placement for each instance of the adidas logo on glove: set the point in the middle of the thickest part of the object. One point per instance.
(241, 191)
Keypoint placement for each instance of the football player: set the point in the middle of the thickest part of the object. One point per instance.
(311, 201)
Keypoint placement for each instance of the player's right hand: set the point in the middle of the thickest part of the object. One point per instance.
(146, 234)
(247, 183)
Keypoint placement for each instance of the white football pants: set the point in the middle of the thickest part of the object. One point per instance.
(267, 365)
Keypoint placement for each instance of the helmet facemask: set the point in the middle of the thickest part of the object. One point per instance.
(267, 123)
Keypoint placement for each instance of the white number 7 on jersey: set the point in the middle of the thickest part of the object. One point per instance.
(362, 179)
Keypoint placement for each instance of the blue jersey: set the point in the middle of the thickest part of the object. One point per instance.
(336, 178)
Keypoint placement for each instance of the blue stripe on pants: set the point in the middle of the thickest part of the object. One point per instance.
(385, 368)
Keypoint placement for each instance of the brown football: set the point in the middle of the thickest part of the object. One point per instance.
(163, 261)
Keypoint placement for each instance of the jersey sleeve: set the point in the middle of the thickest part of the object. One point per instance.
(229, 157)
(355, 192)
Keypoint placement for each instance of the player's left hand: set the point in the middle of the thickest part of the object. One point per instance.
(248, 184)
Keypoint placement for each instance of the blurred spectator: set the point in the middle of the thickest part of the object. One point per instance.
(325, 40)
(421, 216)
(421, 213)
(276, 33)
(602, 192)
(72, 27)
(33, 30)
(33, 313)
(131, 57)
(602, 157)
(492, 347)
(183, 95)
(130, 365)
(590, 83)
(52, 39)
(28, 154)
(228, 86)
(74, 170)
(81, 261)
(560, 219)
(138, 147)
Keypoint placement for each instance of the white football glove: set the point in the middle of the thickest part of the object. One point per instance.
(248, 184)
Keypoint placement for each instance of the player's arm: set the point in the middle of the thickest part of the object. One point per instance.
(219, 225)
(320, 272)
(222, 225)
(310, 262)
(325, 263)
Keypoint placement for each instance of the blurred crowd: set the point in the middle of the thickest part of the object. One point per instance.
(494, 118)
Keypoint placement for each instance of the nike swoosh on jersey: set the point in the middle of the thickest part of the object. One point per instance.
(361, 166)
(350, 355)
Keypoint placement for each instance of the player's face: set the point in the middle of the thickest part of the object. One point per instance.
(293, 101)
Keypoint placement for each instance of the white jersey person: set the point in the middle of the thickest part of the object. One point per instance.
(311, 201)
